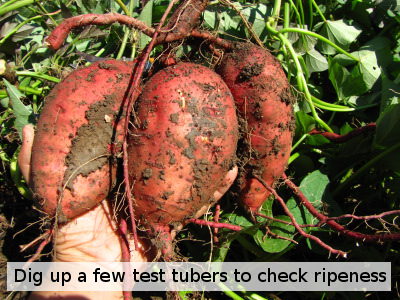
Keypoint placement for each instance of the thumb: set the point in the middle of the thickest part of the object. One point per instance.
(24, 157)
(226, 184)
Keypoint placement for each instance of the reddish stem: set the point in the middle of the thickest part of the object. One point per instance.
(337, 138)
(185, 18)
(180, 24)
(126, 255)
(60, 34)
(331, 223)
(215, 225)
(41, 246)
(295, 224)
(274, 235)
(133, 92)
(211, 38)
(281, 221)
(216, 218)
(164, 236)
(372, 217)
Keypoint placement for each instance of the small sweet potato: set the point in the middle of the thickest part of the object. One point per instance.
(78, 133)
(182, 146)
(261, 92)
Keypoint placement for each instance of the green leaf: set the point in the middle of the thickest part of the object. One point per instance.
(304, 123)
(365, 73)
(316, 140)
(347, 83)
(101, 7)
(239, 220)
(21, 112)
(390, 93)
(7, 28)
(298, 212)
(256, 15)
(82, 7)
(388, 127)
(272, 244)
(338, 75)
(304, 43)
(338, 32)
(315, 188)
(315, 62)
(146, 16)
(368, 67)
(5, 102)
(210, 19)
(346, 128)
(22, 33)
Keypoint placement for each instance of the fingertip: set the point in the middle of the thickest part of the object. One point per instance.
(24, 157)
(231, 175)
(27, 134)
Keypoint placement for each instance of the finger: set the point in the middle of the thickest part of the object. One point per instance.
(226, 184)
(24, 157)
(224, 187)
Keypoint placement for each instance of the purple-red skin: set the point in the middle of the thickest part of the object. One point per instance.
(98, 89)
(262, 96)
(182, 146)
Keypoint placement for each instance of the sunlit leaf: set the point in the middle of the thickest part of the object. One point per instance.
(257, 15)
(21, 112)
(305, 44)
(304, 123)
(338, 32)
(146, 16)
(315, 62)
(315, 188)
(22, 33)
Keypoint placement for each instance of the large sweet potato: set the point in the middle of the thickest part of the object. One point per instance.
(262, 96)
(78, 133)
(182, 146)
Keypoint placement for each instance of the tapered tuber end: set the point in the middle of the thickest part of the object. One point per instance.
(2, 66)
(164, 242)
(7, 72)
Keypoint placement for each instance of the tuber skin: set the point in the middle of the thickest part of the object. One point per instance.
(78, 134)
(262, 96)
(182, 146)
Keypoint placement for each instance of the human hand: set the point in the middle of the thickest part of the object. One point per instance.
(95, 235)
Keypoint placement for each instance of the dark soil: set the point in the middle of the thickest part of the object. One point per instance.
(89, 147)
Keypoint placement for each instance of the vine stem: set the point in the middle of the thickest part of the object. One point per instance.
(15, 6)
(301, 81)
(59, 35)
(17, 28)
(133, 95)
(318, 10)
(38, 75)
(320, 37)
(128, 12)
(124, 8)
(215, 224)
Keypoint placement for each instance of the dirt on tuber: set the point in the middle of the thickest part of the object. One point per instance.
(181, 147)
(262, 96)
(78, 135)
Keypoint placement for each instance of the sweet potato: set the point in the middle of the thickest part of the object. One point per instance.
(262, 96)
(77, 135)
(182, 146)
